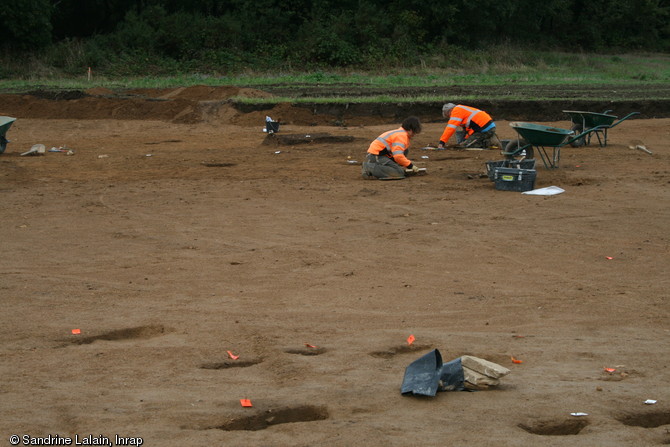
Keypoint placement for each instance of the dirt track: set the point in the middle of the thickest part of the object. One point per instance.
(182, 232)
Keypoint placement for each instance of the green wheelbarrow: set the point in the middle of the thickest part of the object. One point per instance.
(5, 123)
(597, 123)
(536, 136)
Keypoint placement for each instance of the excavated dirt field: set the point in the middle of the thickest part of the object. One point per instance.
(176, 230)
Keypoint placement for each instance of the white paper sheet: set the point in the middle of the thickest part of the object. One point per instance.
(548, 191)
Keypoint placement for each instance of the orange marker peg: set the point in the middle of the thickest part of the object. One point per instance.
(610, 370)
(246, 402)
(515, 360)
(410, 339)
(232, 356)
(76, 331)
(609, 258)
(310, 346)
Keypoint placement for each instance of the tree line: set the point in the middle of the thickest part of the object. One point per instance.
(225, 34)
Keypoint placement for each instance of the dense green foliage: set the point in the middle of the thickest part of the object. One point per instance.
(124, 37)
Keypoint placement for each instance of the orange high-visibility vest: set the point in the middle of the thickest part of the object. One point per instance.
(473, 120)
(393, 144)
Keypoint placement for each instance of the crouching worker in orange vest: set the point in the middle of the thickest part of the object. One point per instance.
(477, 127)
(387, 155)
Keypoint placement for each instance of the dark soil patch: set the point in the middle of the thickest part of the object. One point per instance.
(57, 95)
(294, 139)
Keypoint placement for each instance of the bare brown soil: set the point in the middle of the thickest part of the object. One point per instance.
(178, 231)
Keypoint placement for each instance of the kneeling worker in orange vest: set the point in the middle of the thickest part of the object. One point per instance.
(387, 155)
(478, 129)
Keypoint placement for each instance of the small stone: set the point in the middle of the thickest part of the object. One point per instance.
(484, 367)
(477, 379)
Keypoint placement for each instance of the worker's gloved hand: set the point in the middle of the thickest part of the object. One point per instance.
(441, 145)
(414, 168)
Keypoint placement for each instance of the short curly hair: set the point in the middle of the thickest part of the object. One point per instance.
(412, 123)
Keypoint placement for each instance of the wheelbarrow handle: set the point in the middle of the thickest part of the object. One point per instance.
(586, 132)
(624, 118)
(519, 148)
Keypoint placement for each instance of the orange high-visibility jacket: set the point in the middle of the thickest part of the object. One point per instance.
(393, 144)
(473, 120)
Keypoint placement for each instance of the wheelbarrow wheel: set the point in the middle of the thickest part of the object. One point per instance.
(518, 150)
(577, 129)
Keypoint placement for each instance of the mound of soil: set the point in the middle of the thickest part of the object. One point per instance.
(199, 93)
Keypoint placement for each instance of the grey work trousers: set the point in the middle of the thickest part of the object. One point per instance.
(381, 167)
(486, 140)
